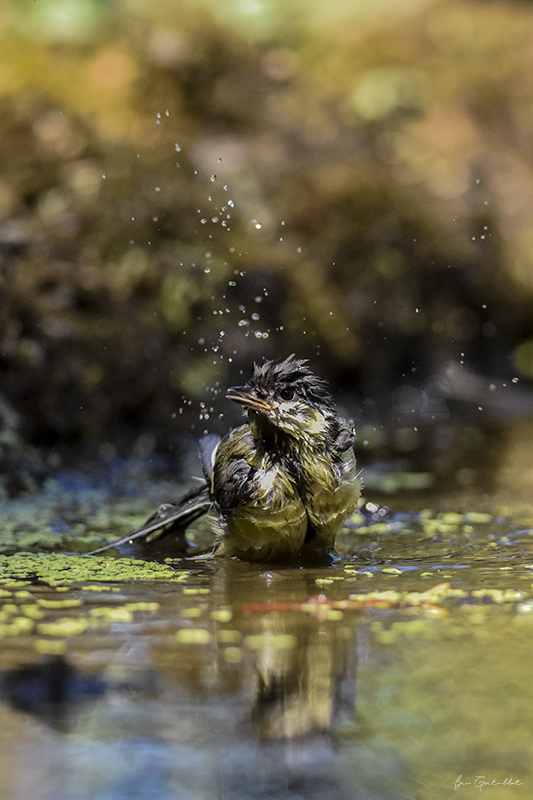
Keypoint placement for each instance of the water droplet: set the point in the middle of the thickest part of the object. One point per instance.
(104, 175)
(231, 204)
(213, 178)
(165, 510)
(214, 219)
(177, 148)
(255, 316)
(157, 189)
(243, 323)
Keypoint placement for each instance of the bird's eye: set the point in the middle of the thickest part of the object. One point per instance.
(287, 393)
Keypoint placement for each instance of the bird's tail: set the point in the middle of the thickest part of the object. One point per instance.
(170, 518)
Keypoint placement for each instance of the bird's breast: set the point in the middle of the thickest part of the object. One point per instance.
(331, 494)
(270, 526)
(271, 500)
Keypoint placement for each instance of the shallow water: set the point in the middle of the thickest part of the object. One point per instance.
(400, 671)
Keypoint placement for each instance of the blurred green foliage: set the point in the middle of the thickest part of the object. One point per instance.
(187, 186)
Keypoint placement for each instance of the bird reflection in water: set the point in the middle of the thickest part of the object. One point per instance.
(298, 676)
(260, 726)
(302, 690)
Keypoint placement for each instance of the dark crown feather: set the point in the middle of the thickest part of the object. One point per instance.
(275, 374)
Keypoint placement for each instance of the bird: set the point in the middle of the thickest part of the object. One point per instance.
(282, 484)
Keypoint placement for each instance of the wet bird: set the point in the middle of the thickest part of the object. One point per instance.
(281, 484)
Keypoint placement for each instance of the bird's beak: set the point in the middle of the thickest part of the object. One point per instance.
(246, 397)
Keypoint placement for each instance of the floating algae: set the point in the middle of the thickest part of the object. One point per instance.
(60, 568)
(49, 583)
(193, 636)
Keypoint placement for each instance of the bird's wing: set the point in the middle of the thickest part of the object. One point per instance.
(169, 518)
(346, 435)
(208, 450)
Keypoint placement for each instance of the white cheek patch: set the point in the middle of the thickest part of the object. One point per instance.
(291, 416)
(318, 424)
(266, 480)
(313, 421)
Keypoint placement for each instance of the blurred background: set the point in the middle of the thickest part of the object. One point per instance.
(187, 187)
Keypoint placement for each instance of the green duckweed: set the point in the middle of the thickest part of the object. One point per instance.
(193, 636)
(233, 655)
(222, 615)
(59, 569)
(229, 636)
(50, 647)
(191, 613)
(112, 614)
(142, 605)
(67, 602)
(66, 626)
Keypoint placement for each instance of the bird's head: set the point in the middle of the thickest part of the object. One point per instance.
(287, 397)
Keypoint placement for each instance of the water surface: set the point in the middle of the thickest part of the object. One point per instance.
(400, 671)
